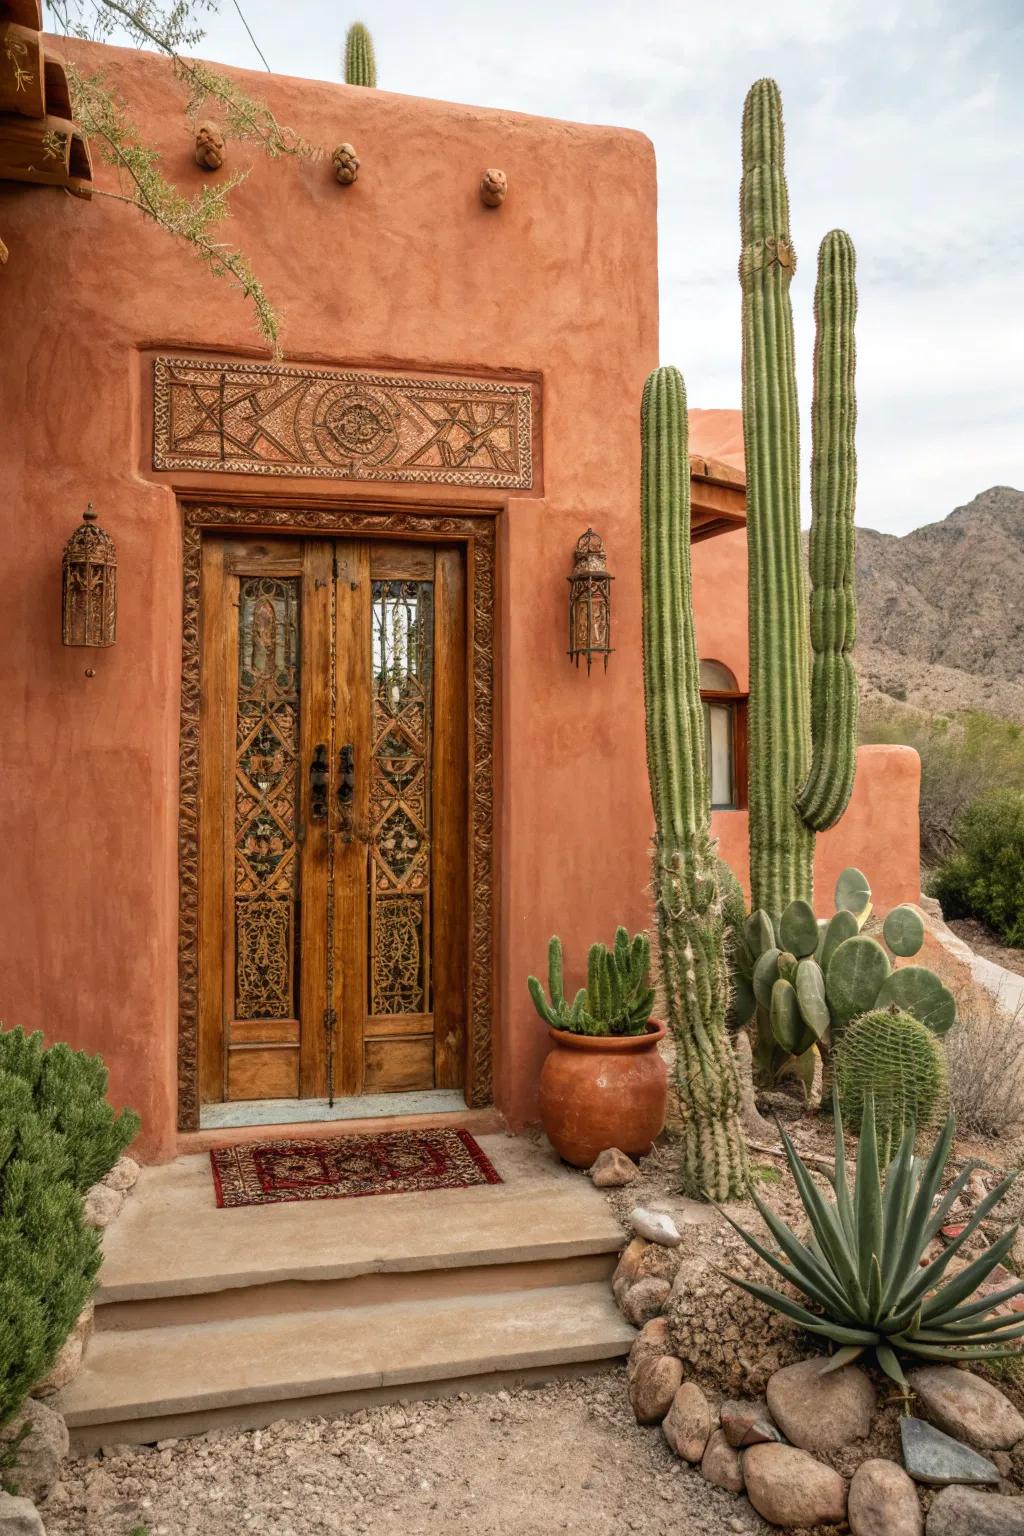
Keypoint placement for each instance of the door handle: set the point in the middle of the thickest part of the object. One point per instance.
(346, 788)
(319, 781)
(347, 774)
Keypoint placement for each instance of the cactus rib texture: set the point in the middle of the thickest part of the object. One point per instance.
(687, 895)
(360, 61)
(781, 844)
(826, 793)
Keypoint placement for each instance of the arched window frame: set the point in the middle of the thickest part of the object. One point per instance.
(734, 702)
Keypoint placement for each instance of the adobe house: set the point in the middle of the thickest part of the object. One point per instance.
(287, 850)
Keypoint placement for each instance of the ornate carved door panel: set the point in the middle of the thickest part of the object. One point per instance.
(333, 818)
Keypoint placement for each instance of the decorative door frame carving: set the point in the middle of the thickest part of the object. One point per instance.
(477, 533)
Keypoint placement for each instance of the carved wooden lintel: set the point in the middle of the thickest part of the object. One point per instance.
(284, 419)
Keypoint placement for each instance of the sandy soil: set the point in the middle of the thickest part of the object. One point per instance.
(563, 1458)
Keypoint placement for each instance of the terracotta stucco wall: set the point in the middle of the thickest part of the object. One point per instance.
(404, 269)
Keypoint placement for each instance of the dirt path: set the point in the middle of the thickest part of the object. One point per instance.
(984, 943)
(563, 1458)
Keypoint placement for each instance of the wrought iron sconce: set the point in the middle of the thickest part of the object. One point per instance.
(89, 585)
(590, 601)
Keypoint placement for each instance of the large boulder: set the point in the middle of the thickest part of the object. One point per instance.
(19, 1517)
(969, 1512)
(883, 1501)
(721, 1464)
(819, 1411)
(41, 1453)
(966, 1407)
(654, 1385)
(788, 1487)
(687, 1425)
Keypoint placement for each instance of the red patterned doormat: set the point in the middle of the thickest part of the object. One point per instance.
(393, 1163)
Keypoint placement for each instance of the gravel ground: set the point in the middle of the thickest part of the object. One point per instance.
(564, 1457)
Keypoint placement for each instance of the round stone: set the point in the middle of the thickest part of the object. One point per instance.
(883, 1501)
(966, 1407)
(653, 1388)
(687, 1425)
(721, 1464)
(788, 1487)
(821, 1412)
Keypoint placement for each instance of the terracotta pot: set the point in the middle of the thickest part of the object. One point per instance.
(599, 1091)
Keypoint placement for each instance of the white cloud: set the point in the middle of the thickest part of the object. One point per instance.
(904, 126)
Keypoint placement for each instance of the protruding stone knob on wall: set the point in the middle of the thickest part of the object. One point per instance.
(209, 147)
(346, 164)
(493, 188)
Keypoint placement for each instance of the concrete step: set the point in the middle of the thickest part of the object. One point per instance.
(147, 1384)
(172, 1257)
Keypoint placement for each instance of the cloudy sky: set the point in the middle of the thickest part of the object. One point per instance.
(905, 125)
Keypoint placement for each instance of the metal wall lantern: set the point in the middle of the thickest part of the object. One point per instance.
(89, 585)
(590, 601)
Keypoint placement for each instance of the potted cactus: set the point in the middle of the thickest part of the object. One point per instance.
(603, 1083)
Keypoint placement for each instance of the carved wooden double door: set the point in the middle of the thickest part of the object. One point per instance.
(333, 869)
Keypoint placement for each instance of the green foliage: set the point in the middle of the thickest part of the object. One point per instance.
(802, 723)
(49, 1258)
(846, 974)
(617, 999)
(107, 122)
(360, 60)
(963, 759)
(696, 910)
(891, 1058)
(864, 1271)
(986, 878)
(68, 1090)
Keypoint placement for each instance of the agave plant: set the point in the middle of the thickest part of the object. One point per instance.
(862, 1268)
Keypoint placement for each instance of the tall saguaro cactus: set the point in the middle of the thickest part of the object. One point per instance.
(800, 780)
(688, 900)
(360, 62)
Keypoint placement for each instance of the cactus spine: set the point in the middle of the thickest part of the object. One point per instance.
(793, 793)
(360, 63)
(688, 901)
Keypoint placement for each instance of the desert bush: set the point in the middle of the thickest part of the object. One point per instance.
(963, 758)
(49, 1258)
(985, 1054)
(985, 878)
(68, 1092)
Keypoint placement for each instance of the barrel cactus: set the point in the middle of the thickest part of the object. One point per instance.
(802, 722)
(891, 1057)
(806, 980)
(360, 61)
(688, 893)
(617, 999)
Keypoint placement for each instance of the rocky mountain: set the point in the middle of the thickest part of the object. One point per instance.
(941, 610)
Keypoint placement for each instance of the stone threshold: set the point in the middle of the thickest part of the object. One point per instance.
(370, 1106)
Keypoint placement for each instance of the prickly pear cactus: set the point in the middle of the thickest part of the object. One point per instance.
(834, 980)
(889, 1055)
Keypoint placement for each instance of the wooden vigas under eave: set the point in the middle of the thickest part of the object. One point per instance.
(718, 498)
(38, 141)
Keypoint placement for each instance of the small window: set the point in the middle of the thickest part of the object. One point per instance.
(725, 735)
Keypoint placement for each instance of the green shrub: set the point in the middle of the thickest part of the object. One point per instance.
(963, 758)
(985, 879)
(49, 1258)
(68, 1091)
